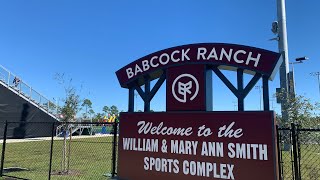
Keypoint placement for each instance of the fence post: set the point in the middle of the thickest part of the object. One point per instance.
(295, 153)
(279, 151)
(3, 147)
(114, 154)
(298, 148)
(51, 151)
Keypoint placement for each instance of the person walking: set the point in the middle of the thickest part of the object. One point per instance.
(16, 81)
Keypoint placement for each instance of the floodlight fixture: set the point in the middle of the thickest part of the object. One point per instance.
(300, 59)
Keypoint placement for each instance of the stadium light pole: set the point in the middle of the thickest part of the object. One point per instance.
(279, 27)
(292, 84)
(259, 88)
(234, 105)
(135, 100)
(318, 76)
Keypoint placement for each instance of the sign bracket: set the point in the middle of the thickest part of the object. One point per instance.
(265, 86)
(241, 92)
(146, 95)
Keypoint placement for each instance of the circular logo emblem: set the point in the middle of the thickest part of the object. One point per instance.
(185, 88)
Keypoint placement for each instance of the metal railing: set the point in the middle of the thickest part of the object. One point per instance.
(70, 128)
(21, 88)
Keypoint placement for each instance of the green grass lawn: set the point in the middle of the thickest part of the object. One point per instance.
(310, 162)
(91, 158)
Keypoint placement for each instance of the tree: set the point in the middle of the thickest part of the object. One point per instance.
(106, 110)
(114, 110)
(97, 117)
(87, 104)
(71, 105)
(300, 111)
(91, 112)
(72, 100)
(68, 111)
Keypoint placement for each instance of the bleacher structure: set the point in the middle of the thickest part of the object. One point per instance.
(19, 102)
(26, 92)
(25, 111)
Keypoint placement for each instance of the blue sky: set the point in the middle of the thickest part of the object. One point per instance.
(90, 40)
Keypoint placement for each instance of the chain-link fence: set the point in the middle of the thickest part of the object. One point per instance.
(69, 151)
(299, 153)
(89, 151)
(285, 154)
(309, 153)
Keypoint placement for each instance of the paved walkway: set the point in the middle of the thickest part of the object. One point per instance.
(55, 138)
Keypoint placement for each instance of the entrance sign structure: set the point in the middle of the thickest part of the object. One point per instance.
(189, 140)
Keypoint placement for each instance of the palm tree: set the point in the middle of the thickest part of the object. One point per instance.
(87, 104)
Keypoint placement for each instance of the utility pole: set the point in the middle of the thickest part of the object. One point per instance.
(234, 105)
(291, 81)
(259, 88)
(318, 76)
(272, 102)
(283, 50)
(135, 100)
